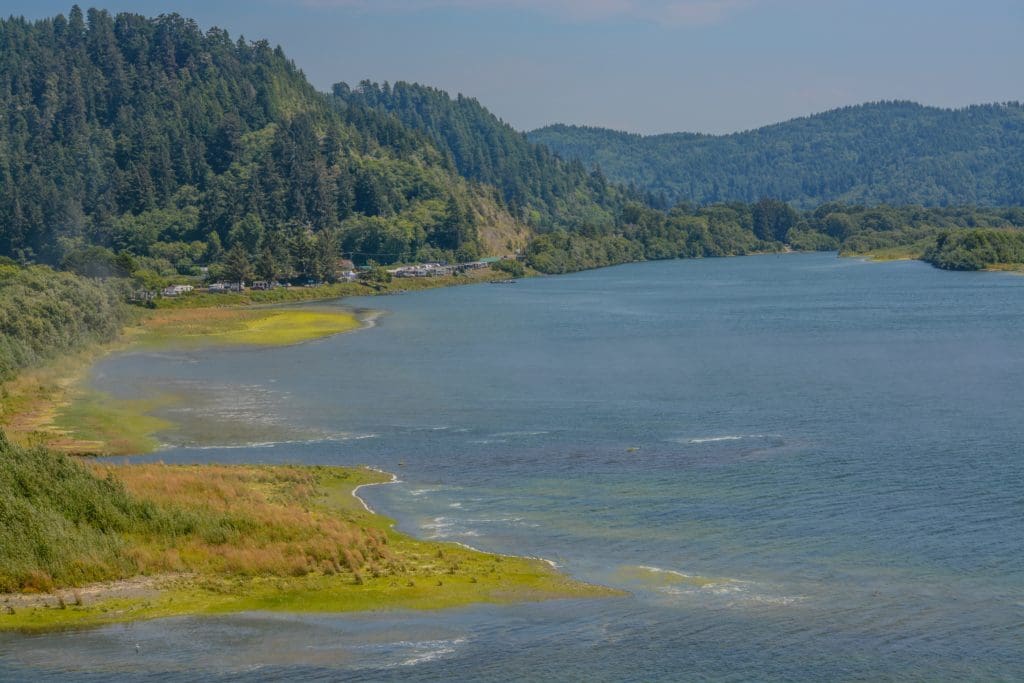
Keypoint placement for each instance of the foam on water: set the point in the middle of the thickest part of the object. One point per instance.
(736, 593)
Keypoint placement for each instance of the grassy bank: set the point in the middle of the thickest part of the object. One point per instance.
(48, 403)
(51, 405)
(291, 295)
(170, 540)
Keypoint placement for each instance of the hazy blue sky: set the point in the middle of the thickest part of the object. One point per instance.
(645, 66)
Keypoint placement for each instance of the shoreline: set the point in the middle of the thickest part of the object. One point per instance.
(355, 492)
(51, 403)
(36, 406)
(381, 568)
(395, 480)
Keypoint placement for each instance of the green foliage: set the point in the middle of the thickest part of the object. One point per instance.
(862, 230)
(880, 153)
(562, 252)
(374, 273)
(511, 266)
(44, 313)
(152, 138)
(60, 524)
(968, 237)
(976, 249)
(534, 184)
(237, 267)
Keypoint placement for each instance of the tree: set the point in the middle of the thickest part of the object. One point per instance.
(214, 248)
(267, 266)
(227, 140)
(237, 266)
(326, 255)
(374, 273)
(772, 219)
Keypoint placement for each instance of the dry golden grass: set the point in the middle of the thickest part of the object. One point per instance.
(249, 521)
(215, 539)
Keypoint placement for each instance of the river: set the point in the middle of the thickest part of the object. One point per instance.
(801, 467)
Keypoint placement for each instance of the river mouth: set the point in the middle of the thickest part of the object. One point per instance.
(799, 467)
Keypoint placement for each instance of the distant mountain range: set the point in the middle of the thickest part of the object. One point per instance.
(880, 153)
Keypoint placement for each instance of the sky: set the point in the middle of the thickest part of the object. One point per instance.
(645, 66)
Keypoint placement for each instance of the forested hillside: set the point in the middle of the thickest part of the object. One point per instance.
(170, 145)
(534, 184)
(895, 153)
(149, 149)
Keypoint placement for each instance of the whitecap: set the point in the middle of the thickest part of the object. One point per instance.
(738, 593)
(522, 433)
(429, 650)
(713, 439)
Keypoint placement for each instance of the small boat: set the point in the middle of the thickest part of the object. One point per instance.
(504, 282)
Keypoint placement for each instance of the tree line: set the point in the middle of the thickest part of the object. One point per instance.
(149, 149)
(962, 238)
(895, 153)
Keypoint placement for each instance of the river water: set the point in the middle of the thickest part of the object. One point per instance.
(801, 467)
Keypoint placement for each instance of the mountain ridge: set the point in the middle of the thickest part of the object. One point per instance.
(895, 152)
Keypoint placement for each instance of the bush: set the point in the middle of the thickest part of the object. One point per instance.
(44, 313)
(511, 266)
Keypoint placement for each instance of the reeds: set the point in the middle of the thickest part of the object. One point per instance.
(67, 524)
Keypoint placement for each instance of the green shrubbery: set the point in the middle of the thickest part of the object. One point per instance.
(44, 313)
(59, 523)
(976, 249)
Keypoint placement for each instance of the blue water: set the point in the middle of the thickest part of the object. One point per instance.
(801, 467)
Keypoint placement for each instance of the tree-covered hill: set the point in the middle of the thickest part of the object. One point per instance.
(171, 146)
(534, 184)
(882, 153)
(150, 149)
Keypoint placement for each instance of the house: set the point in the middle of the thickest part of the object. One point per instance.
(423, 270)
(177, 290)
(263, 285)
(222, 287)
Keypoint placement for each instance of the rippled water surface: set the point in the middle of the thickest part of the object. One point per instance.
(801, 467)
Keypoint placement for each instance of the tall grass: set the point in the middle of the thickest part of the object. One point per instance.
(64, 523)
(44, 313)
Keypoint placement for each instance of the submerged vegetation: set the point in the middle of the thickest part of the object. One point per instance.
(47, 401)
(218, 538)
(193, 327)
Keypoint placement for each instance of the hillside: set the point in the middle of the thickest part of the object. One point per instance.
(173, 147)
(882, 153)
(534, 184)
(152, 150)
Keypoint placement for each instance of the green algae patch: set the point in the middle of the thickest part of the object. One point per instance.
(75, 420)
(202, 327)
(50, 405)
(98, 424)
(214, 539)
